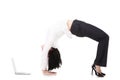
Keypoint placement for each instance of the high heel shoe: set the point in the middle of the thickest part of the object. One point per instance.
(97, 73)
(101, 72)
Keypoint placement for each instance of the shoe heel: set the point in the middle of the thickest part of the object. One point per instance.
(92, 72)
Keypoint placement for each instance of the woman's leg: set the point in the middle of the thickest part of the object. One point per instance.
(82, 29)
(102, 50)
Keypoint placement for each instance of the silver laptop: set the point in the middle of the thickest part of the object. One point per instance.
(15, 71)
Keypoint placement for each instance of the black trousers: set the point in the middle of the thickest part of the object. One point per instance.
(83, 29)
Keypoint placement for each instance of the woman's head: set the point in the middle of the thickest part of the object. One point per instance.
(54, 59)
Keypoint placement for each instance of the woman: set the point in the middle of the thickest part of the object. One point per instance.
(83, 29)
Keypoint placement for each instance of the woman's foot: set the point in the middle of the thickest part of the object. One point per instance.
(48, 73)
(97, 70)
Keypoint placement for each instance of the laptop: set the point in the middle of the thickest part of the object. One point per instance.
(15, 71)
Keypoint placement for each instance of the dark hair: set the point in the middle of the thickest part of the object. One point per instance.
(54, 59)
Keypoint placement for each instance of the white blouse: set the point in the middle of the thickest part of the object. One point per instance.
(53, 34)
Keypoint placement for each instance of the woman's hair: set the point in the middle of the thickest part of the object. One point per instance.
(54, 59)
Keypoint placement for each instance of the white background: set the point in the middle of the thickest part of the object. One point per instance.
(23, 24)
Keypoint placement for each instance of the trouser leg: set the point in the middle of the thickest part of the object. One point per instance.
(102, 50)
(82, 29)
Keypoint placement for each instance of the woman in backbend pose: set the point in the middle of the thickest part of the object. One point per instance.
(80, 29)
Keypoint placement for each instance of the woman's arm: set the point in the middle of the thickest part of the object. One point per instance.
(42, 46)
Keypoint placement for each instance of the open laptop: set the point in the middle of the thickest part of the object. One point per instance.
(18, 73)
